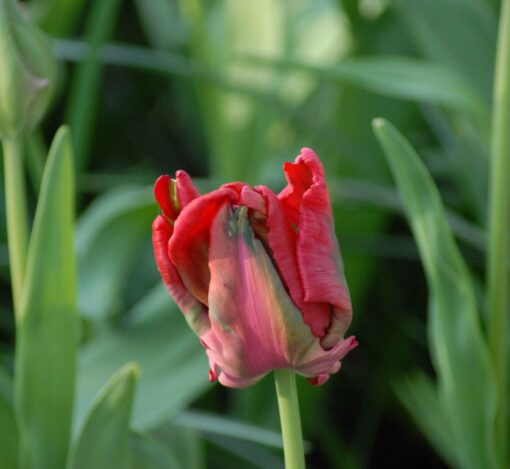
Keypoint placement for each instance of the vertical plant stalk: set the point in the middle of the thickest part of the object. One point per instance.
(290, 419)
(16, 210)
(499, 220)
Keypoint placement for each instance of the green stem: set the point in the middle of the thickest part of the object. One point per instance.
(289, 418)
(499, 211)
(17, 225)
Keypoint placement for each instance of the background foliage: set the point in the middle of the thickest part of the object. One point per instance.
(229, 90)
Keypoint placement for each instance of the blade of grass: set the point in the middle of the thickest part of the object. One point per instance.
(47, 326)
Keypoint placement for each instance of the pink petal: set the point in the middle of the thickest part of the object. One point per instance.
(188, 249)
(194, 311)
(328, 361)
(255, 327)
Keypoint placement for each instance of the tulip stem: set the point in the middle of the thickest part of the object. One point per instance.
(290, 419)
(16, 214)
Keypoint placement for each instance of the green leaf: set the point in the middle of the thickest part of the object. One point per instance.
(466, 45)
(185, 444)
(8, 426)
(104, 439)
(419, 396)
(82, 101)
(219, 425)
(47, 327)
(172, 361)
(108, 235)
(466, 380)
(399, 77)
(161, 23)
(148, 453)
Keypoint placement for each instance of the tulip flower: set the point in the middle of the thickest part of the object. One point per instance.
(258, 276)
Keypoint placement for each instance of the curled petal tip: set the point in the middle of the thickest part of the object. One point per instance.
(353, 343)
(202, 341)
(319, 379)
(162, 194)
(213, 376)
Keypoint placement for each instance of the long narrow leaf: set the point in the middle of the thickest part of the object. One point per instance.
(400, 77)
(104, 439)
(82, 96)
(46, 329)
(419, 396)
(466, 377)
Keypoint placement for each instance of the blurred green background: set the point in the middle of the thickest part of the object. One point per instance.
(229, 90)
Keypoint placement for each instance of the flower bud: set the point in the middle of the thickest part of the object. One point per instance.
(27, 71)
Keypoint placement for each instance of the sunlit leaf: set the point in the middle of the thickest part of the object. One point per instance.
(47, 327)
(107, 237)
(400, 77)
(466, 380)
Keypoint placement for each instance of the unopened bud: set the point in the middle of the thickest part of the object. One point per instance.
(27, 71)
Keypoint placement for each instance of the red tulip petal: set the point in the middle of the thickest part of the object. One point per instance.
(247, 196)
(162, 195)
(186, 190)
(172, 204)
(318, 254)
(281, 240)
(194, 311)
(189, 246)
